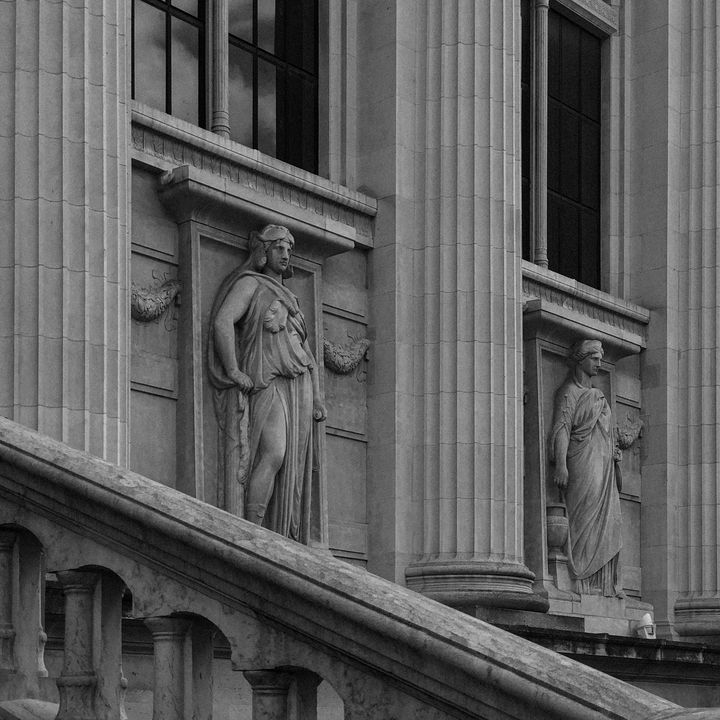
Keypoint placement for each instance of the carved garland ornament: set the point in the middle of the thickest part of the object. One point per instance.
(148, 304)
(629, 432)
(343, 359)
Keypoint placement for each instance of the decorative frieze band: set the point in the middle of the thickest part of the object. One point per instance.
(567, 299)
(170, 142)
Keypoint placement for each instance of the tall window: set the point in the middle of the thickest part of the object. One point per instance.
(273, 78)
(572, 181)
(271, 70)
(168, 50)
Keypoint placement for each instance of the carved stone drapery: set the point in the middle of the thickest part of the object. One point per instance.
(582, 447)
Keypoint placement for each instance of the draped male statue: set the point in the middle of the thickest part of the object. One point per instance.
(586, 456)
(266, 389)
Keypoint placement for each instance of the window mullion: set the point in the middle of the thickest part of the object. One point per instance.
(220, 122)
(540, 253)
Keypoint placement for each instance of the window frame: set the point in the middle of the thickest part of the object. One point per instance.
(601, 20)
(201, 23)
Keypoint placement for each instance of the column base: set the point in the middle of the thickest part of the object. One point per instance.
(697, 617)
(463, 583)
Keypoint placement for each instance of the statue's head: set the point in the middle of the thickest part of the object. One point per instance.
(260, 242)
(586, 355)
(584, 348)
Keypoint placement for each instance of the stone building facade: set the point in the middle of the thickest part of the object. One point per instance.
(483, 183)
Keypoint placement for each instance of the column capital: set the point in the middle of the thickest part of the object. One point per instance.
(77, 580)
(269, 682)
(167, 627)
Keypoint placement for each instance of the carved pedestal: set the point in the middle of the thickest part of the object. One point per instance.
(557, 536)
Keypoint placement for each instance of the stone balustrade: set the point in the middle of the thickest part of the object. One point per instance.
(292, 616)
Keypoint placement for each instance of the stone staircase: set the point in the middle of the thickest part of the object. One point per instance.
(288, 617)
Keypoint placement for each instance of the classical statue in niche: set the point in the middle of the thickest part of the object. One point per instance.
(267, 391)
(586, 456)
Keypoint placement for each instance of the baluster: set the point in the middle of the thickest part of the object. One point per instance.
(269, 693)
(30, 637)
(202, 670)
(7, 582)
(169, 687)
(78, 680)
(111, 684)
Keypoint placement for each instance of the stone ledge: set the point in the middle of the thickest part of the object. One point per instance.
(564, 310)
(164, 143)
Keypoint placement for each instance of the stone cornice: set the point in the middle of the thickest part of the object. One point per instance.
(166, 143)
(597, 14)
(561, 307)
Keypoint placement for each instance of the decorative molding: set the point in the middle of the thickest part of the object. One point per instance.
(344, 359)
(575, 310)
(596, 14)
(148, 304)
(629, 431)
(175, 143)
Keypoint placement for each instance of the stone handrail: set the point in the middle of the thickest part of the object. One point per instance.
(387, 651)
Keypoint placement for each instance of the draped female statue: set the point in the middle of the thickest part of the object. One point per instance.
(266, 389)
(583, 447)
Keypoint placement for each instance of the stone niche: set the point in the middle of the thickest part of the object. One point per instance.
(556, 313)
(195, 201)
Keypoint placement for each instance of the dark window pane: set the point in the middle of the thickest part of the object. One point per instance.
(554, 135)
(570, 62)
(277, 101)
(590, 73)
(573, 151)
(149, 55)
(590, 164)
(267, 108)
(590, 249)
(266, 20)
(297, 20)
(527, 40)
(241, 96)
(296, 120)
(189, 6)
(567, 147)
(185, 72)
(554, 56)
(241, 19)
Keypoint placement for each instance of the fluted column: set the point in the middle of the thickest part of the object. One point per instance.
(169, 677)
(269, 694)
(78, 681)
(63, 207)
(471, 351)
(697, 610)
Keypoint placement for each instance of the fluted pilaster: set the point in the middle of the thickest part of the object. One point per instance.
(63, 263)
(471, 349)
(697, 610)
